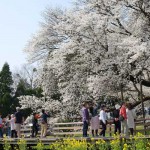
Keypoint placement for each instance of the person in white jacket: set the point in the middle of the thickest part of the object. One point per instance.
(103, 120)
(130, 118)
(12, 126)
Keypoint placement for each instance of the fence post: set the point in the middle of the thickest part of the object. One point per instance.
(110, 130)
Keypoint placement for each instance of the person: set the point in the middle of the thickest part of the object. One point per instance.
(94, 119)
(130, 118)
(34, 125)
(117, 122)
(85, 118)
(44, 117)
(8, 125)
(19, 121)
(123, 119)
(103, 120)
(1, 126)
(12, 127)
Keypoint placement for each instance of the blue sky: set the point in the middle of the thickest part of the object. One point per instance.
(19, 19)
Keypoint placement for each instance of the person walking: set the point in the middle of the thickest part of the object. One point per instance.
(130, 118)
(117, 122)
(123, 119)
(44, 117)
(103, 120)
(34, 125)
(85, 118)
(94, 119)
(19, 121)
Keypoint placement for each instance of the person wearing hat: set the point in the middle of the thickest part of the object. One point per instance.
(117, 122)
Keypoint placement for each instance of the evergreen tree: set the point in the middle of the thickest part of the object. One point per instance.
(5, 90)
(5, 80)
(6, 103)
(23, 88)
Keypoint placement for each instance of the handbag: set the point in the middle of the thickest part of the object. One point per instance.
(121, 118)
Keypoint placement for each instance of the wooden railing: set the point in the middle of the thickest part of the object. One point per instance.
(75, 128)
(142, 125)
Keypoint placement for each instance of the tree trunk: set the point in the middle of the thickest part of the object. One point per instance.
(141, 98)
(143, 110)
(121, 89)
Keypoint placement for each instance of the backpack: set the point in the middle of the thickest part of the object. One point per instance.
(43, 120)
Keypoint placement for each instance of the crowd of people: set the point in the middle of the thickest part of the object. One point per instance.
(92, 114)
(11, 125)
(95, 115)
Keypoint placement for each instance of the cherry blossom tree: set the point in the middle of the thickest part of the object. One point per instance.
(100, 47)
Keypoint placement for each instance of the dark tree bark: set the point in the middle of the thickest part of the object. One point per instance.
(143, 82)
(139, 102)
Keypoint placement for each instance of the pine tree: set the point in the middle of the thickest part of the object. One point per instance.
(5, 90)
(5, 80)
(6, 103)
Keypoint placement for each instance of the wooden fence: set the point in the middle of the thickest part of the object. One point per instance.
(75, 128)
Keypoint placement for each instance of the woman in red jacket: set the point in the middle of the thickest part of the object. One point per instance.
(123, 119)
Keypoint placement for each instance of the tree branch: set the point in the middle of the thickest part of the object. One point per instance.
(144, 82)
(139, 102)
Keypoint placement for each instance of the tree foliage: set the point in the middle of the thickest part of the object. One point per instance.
(5, 89)
(5, 80)
(13, 87)
(100, 47)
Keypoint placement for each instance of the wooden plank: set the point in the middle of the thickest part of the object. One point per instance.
(69, 123)
(23, 130)
(147, 124)
(142, 119)
(142, 130)
(67, 128)
(78, 127)
(67, 133)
